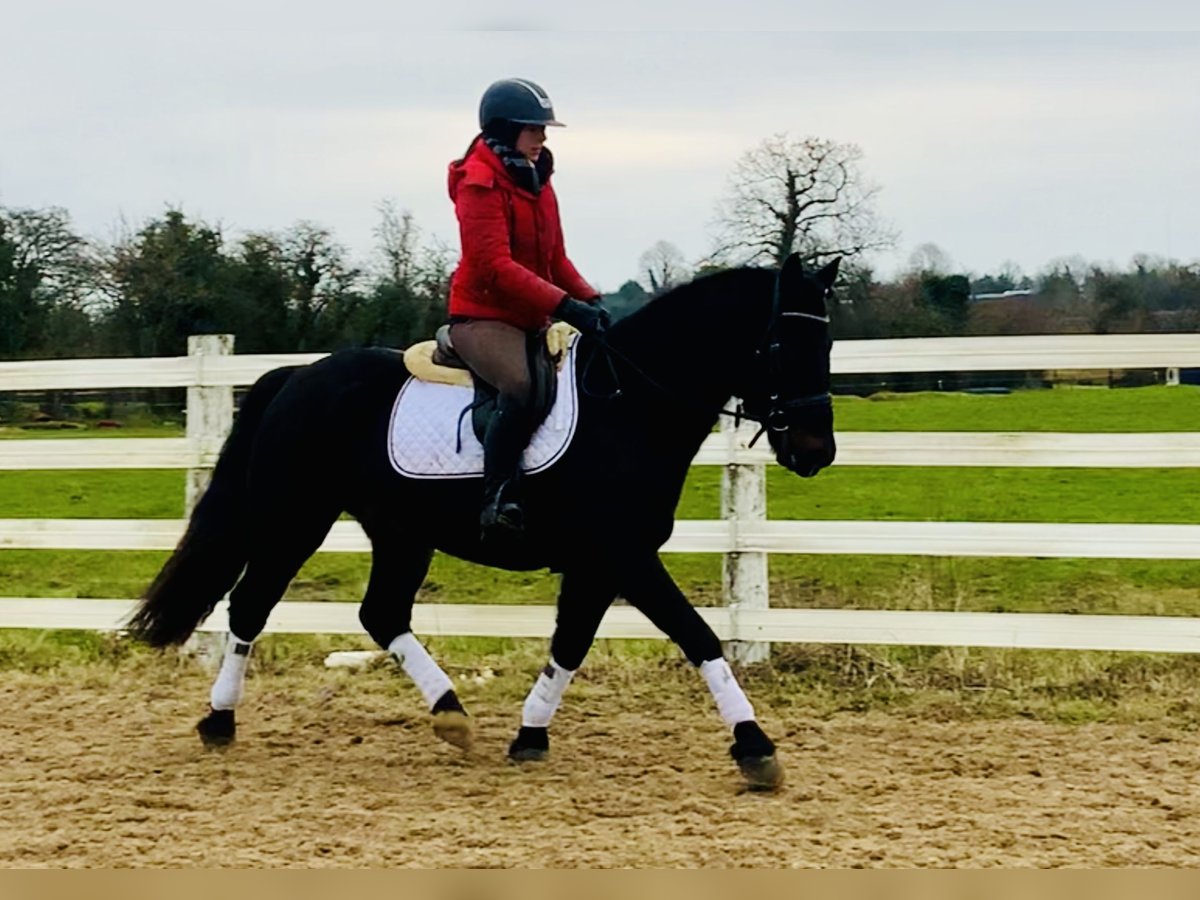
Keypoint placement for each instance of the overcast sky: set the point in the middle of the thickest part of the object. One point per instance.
(1024, 146)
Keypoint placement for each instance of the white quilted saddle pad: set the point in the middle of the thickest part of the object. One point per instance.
(422, 439)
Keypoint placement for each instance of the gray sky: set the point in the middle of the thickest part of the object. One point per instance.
(996, 146)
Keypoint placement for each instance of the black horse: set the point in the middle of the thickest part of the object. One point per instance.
(310, 443)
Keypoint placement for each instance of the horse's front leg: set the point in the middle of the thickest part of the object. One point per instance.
(583, 599)
(648, 586)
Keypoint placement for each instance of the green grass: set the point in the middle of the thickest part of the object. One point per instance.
(92, 494)
(1132, 587)
(1067, 408)
(965, 494)
(1063, 409)
(16, 433)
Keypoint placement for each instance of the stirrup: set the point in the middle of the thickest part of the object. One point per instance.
(502, 518)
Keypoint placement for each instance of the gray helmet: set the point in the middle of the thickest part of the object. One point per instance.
(516, 100)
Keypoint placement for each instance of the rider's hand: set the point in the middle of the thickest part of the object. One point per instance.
(590, 318)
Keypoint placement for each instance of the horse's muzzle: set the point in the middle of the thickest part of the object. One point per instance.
(806, 457)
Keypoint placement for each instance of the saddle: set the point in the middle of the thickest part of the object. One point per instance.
(436, 361)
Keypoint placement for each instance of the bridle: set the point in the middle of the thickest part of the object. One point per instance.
(780, 415)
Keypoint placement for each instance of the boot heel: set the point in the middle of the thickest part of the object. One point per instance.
(502, 522)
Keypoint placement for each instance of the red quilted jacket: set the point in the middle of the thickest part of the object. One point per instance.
(514, 266)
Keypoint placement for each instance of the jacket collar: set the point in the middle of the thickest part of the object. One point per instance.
(483, 153)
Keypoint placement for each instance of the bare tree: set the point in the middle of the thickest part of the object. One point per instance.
(324, 281)
(929, 258)
(663, 267)
(44, 245)
(46, 276)
(805, 197)
(396, 242)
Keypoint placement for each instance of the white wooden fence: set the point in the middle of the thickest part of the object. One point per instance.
(744, 535)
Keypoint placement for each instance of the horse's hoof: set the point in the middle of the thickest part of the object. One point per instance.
(754, 753)
(218, 728)
(454, 727)
(527, 754)
(762, 773)
(530, 745)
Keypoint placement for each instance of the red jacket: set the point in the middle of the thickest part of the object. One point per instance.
(513, 266)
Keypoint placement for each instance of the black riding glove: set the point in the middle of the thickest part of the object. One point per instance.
(590, 318)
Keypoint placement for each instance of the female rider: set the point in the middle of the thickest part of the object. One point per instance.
(513, 277)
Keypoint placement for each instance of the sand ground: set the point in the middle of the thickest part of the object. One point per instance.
(102, 768)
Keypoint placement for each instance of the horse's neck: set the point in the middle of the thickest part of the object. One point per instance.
(692, 344)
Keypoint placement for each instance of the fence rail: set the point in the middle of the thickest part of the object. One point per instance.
(817, 536)
(1162, 634)
(745, 536)
(1161, 450)
(967, 354)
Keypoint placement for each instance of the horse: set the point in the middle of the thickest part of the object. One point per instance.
(309, 444)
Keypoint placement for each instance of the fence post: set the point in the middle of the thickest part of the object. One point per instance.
(744, 577)
(209, 416)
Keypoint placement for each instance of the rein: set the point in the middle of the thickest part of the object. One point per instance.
(776, 417)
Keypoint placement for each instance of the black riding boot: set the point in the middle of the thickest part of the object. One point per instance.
(503, 445)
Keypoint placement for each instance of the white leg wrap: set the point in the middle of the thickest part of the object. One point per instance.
(231, 680)
(428, 676)
(731, 700)
(546, 694)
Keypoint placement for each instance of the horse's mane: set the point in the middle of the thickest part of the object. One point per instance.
(704, 301)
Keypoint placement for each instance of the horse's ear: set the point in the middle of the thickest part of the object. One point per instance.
(791, 276)
(802, 284)
(827, 274)
(792, 268)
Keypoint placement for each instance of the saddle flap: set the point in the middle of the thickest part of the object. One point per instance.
(426, 438)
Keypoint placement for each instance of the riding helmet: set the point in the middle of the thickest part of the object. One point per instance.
(516, 100)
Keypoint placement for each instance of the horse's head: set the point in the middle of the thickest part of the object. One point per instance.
(787, 388)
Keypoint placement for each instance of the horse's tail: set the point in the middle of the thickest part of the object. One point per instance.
(213, 551)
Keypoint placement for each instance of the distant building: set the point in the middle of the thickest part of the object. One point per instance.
(1004, 295)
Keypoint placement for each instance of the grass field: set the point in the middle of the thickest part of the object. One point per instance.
(902, 493)
(947, 494)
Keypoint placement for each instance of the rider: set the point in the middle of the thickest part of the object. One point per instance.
(514, 275)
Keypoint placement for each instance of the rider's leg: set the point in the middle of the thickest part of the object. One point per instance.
(496, 352)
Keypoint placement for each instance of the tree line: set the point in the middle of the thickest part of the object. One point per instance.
(144, 293)
(811, 197)
(932, 300)
(298, 289)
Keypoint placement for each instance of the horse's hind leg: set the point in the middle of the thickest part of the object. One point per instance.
(284, 545)
(397, 571)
